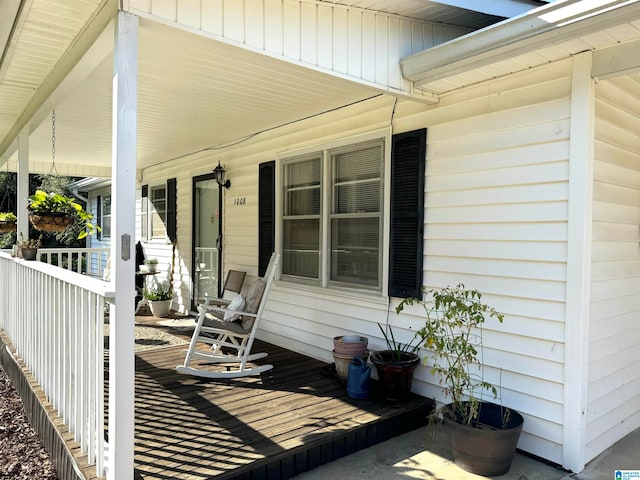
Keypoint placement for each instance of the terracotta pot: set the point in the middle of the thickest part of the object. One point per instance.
(486, 448)
(395, 372)
(354, 348)
(342, 363)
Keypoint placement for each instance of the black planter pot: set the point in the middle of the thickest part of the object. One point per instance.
(484, 449)
(29, 253)
(395, 372)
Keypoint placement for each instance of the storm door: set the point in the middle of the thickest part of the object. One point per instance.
(207, 238)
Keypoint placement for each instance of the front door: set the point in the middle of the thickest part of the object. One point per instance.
(207, 238)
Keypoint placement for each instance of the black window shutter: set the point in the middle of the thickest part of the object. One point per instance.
(99, 215)
(408, 156)
(266, 214)
(171, 210)
(145, 191)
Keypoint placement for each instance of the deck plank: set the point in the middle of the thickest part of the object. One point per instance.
(289, 420)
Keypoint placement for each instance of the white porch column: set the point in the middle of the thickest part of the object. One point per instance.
(23, 185)
(578, 263)
(121, 353)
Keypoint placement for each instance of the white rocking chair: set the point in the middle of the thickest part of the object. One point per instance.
(234, 335)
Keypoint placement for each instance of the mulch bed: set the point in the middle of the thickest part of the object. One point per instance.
(22, 456)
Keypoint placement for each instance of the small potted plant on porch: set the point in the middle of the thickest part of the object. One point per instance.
(482, 435)
(149, 265)
(396, 365)
(160, 298)
(53, 212)
(7, 222)
(29, 248)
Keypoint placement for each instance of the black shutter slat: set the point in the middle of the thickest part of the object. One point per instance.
(408, 156)
(172, 209)
(266, 214)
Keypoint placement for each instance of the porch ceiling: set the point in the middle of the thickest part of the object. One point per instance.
(194, 93)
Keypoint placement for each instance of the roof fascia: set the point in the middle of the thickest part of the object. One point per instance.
(498, 8)
(544, 26)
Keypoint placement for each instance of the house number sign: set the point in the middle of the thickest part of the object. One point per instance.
(240, 201)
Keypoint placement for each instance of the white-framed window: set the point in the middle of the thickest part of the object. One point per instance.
(104, 219)
(153, 214)
(332, 216)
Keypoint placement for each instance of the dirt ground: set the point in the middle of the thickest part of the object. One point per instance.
(22, 456)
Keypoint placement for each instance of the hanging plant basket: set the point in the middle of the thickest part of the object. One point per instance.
(7, 226)
(50, 222)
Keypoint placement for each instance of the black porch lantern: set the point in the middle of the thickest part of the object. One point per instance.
(219, 172)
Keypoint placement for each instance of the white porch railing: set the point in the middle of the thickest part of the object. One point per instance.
(80, 260)
(55, 319)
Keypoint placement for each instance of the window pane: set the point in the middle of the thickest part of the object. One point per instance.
(361, 164)
(302, 188)
(360, 197)
(355, 250)
(105, 221)
(158, 212)
(303, 174)
(301, 240)
(303, 202)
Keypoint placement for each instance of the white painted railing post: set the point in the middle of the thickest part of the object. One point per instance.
(121, 336)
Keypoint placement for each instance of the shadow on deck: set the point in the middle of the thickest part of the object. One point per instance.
(291, 419)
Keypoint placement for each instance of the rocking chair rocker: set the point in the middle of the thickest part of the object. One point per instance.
(237, 336)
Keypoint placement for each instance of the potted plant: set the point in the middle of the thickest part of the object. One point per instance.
(8, 222)
(29, 248)
(150, 265)
(482, 435)
(396, 365)
(160, 298)
(52, 212)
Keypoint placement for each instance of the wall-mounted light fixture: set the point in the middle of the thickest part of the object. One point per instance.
(219, 172)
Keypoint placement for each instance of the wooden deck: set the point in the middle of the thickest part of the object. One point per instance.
(290, 420)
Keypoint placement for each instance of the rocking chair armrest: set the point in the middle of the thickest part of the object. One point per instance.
(216, 308)
(218, 302)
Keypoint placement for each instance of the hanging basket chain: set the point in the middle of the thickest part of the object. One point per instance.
(54, 170)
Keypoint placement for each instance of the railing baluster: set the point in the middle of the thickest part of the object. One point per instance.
(55, 320)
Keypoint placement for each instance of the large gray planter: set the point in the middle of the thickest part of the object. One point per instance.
(486, 448)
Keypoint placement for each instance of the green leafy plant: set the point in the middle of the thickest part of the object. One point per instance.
(8, 217)
(150, 261)
(398, 349)
(453, 332)
(43, 203)
(158, 292)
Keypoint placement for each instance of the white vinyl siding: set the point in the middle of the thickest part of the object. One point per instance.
(495, 219)
(614, 330)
